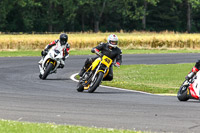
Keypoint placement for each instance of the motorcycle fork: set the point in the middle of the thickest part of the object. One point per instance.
(92, 78)
(96, 71)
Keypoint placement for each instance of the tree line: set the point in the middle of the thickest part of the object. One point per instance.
(99, 15)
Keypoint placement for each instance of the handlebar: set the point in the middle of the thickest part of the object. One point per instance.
(99, 54)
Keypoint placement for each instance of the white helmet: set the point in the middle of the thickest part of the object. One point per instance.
(112, 40)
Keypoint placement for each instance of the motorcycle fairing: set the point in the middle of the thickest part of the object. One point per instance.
(95, 63)
(195, 87)
(193, 92)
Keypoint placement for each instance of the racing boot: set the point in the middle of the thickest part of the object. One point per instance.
(83, 70)
(87, 64)
(192, 73)
(62, 64)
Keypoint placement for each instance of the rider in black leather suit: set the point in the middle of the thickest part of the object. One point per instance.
(109, 49)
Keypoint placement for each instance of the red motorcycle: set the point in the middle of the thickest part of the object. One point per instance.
(190, 89)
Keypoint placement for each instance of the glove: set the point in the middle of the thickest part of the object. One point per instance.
(96, 51)
(117, 64)
(44, 52)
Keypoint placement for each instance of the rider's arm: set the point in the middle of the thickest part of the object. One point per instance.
(50, 45)
(45, 51)
(68, 48)
(66, 52)
(98, 48)
(119, 58)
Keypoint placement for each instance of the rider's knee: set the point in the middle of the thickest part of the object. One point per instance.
(88, 62)
(109, 77)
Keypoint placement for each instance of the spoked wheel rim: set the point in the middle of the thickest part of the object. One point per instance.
(92, 83)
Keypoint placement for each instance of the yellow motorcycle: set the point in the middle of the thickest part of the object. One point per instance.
(93, 76)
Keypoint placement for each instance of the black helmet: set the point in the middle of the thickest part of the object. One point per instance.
(63, 39)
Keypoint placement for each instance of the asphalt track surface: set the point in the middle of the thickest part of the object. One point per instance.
(24, 97)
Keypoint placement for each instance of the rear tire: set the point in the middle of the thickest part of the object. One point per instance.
(97, 82)
(182, 93)
(47, 71)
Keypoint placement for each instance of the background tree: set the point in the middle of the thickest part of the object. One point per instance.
(191, 4)
(97, 7)
(6, 6)
(99, 15)
(145, 12)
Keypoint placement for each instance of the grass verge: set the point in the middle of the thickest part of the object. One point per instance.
(150, 78)
(88, 52)
(7, 126)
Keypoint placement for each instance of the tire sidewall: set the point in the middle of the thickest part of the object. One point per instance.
(47, 70)
(92, 88)
(80, 87)
(183, 96)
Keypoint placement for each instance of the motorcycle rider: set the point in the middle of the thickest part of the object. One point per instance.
(195, 69)
(109, 49)
(61, 42)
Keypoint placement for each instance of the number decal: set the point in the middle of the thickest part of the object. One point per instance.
(107, 60)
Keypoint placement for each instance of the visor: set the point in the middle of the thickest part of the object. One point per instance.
(113, 42)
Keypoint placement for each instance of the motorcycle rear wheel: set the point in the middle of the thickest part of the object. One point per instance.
(182, 93)
(96, 81)
(47, 71)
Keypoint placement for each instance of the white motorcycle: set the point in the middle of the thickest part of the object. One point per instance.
(51, 62)
(190, 89)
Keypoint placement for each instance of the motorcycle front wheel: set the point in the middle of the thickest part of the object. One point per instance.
(96, 82)
(80, 87)
(47, 70)
(182, 93)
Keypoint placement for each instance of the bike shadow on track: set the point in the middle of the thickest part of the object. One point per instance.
(109, 92)
(57, 79)
(197, 101)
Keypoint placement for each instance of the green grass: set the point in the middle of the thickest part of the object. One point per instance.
(7, 126)
(19, 53)
(88, 52)
(150, 78)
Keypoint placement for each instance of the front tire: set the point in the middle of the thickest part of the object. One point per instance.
(182, 93)
(47, 71)
(80, 87)
(40, 76)
(96, 81)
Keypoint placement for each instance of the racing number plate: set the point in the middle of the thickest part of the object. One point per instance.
(106, 61)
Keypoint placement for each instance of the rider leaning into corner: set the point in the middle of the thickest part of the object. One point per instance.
(61, 42)
(109, 49)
